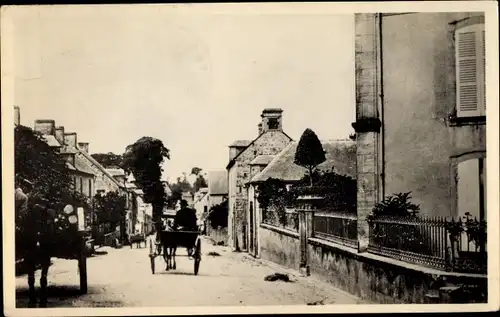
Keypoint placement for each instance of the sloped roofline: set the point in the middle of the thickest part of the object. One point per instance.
(278, 156)
(99, 166)
(270, 165)
(233, 161)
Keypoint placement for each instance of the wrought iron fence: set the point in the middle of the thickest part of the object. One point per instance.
(336, 226)
(437, 242)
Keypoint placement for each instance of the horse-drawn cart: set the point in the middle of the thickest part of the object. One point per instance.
(170, 241)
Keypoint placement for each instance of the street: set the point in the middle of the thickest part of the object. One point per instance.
(122, 278)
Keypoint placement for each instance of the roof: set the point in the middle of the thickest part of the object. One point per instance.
(241, 143)
(51, 140)
(262, 160)
(99, 166)
(69, 150)
(340, 155)
(217, 182)
(272, 110)
(138, 191)
(231, 163)
(116, 171)
(70, 166)
(82, 166)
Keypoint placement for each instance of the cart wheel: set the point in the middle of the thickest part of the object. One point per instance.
(197, 257)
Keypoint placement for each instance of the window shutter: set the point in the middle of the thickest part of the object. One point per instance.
(470, 70)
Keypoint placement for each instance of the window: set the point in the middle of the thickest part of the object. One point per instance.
(273, 123)
(90, 187)
(81, 185)
(470, 66)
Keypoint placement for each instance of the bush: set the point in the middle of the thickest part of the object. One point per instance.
(339, 191)
(397, 208)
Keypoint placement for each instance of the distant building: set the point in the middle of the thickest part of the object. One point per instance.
(270, 140)
(201, 203)
(217, 187)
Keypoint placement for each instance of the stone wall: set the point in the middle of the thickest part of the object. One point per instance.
(269, 143)
(217, 235)
(384, 280)
(279, 246)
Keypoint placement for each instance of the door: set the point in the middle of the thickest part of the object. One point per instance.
(251, 230)
(471, 193)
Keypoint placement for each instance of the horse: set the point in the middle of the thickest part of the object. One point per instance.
(34, 243)
(169, 250)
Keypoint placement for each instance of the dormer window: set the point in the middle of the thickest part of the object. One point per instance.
(273, 124)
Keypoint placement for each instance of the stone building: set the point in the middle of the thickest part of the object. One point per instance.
(340, 157)
(65, 144)
(217, 187)
(421, 112)
(270, 140)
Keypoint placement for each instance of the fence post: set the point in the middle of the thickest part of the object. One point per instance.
(306, 206)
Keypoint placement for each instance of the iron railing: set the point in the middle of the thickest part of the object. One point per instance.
(437, 242)
(337, 227)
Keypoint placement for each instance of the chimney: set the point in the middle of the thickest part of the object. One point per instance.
(70, 139)
(17, 115)
(46, 127)
(84, 146)
(271, 120)
(59, 134)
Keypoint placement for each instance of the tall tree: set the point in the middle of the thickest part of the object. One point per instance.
(52, 182)
(144, 160)
(108, 160)
(196, 170)
(309, 152)
(200, 181)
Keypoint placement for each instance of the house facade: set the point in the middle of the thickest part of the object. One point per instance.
(80, 171)
(201, 203)
(271, 140)
(217, 187)
(421, 111)
(340, 157)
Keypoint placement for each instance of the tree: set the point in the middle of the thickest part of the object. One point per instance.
(144, 159)
(52, 182)
(309, 152)
(196, 170)
(108, 160)
(110, 208)
(200, 183)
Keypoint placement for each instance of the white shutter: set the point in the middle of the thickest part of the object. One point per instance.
(470, 67)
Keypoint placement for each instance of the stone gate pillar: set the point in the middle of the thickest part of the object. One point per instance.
(306, 207)
(368, 124)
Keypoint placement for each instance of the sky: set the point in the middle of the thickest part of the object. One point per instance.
(197, 79)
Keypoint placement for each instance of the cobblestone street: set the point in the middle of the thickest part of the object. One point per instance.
(122, 277)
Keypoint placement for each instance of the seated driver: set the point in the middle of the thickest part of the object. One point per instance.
(185, 218)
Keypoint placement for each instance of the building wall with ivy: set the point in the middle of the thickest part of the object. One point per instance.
(269, 143)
